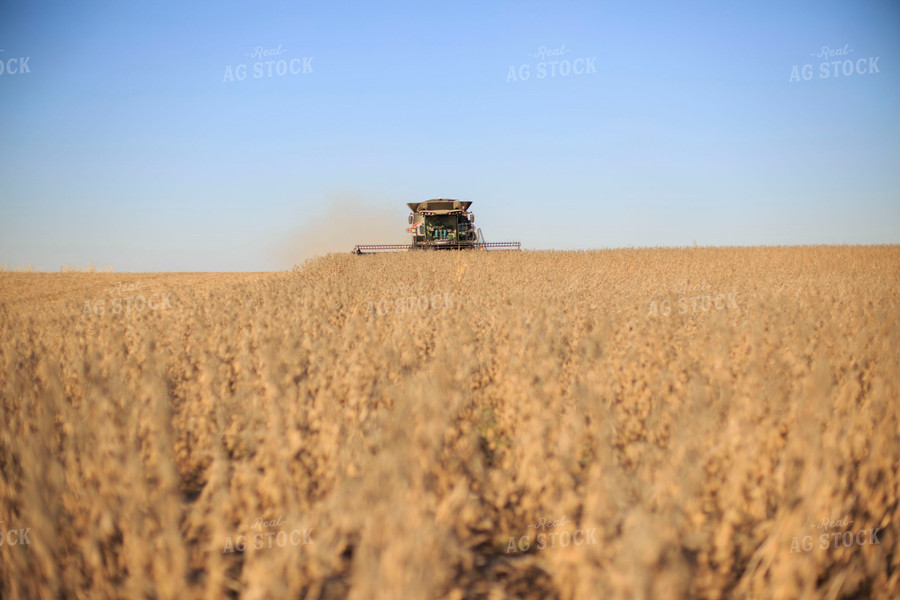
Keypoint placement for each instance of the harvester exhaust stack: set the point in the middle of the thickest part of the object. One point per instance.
(440, 224)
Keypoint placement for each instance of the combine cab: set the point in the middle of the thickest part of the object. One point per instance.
(440, 224)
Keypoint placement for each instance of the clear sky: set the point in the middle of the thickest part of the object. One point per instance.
(131, 141)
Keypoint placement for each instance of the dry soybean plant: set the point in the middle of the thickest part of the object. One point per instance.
(533, 428)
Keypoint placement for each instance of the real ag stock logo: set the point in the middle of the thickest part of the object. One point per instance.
(125, 301)
(15, 536)
(17, 65)
(842, 66)
(832, 535)
(410, 298)
(552, 64)
(268, 65)
(704, 301)
(550, 536)
(268, 535)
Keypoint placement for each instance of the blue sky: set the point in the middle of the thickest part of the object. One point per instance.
(127, 145)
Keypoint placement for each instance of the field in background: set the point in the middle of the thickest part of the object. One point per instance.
(410, 425)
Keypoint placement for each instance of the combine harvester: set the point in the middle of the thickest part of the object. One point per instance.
(440, 224)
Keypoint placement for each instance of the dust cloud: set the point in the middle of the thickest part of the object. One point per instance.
(340, 222)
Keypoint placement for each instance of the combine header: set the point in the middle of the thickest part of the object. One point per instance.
(440, 224)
